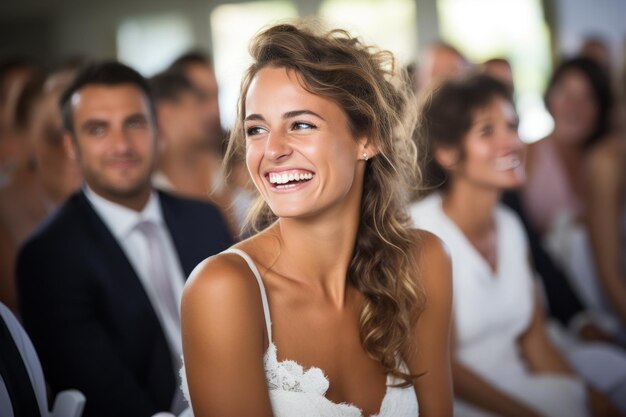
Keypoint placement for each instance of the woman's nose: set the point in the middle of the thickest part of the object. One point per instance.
(277, 146)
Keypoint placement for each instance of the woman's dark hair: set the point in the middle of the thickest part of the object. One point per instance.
(601, 86)
(446, 117)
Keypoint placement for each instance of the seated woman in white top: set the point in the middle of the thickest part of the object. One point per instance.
(503, 362)
(360, 303)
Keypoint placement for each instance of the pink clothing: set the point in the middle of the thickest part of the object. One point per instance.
(548, 192)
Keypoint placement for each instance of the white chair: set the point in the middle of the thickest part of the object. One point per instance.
(68, 403)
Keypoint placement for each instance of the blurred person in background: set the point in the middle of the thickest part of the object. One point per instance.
(501, 70)
(503, 360)
(187, 165)
(43, 182)
(439, 62)
(15, 72)
(597, 49)
(562, 300)
(99, 283)
(605, 219)
(198, 69)
(579, 99)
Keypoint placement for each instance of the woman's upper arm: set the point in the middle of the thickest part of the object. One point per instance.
(432, 331)
(223, 342)
(535, 345)
(604, 203)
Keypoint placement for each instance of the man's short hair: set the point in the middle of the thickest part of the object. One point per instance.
(170, 86)
(107, 73)
(190, 58)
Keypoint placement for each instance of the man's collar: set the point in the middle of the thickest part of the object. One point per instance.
(120, 219)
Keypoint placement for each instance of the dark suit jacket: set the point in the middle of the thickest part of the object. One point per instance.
(88, 314)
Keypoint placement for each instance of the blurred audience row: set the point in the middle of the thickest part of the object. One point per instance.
(537, 233)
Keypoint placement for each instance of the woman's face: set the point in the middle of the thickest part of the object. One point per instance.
(573, 107)
(300, 151)
(493, 152)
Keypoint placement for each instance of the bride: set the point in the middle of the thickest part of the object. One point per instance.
(336, 307)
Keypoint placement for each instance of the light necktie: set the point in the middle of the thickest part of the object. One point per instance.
(158, 273)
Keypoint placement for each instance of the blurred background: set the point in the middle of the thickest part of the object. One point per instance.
(149, 34)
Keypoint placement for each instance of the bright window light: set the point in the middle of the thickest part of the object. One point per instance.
(149, 44)
(513, 29)
(388, 24)
(232, 28)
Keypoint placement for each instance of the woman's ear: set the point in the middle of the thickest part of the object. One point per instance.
(367, 148)
(447, 157)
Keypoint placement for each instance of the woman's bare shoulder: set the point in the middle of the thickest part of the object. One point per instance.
(429, 245)
(610, 151)
(434, 264)
(606, 162)
(225, 276)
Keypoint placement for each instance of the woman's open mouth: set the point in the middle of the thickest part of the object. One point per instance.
(288, 179)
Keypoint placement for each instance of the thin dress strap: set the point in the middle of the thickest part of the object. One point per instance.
(255, 271)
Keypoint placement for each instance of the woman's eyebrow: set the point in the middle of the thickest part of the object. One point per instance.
(288, 115)
(254, 116)
(296, 113)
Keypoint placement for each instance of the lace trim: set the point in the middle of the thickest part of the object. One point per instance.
(290, 375)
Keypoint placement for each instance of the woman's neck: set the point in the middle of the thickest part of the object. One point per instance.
(320, 249)
(471, 207)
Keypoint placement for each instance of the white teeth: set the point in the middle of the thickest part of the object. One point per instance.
(507, 162)
(277, 178)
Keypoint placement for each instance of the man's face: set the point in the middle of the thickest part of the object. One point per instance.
(181, 123)
(203, 78)
(114, 139)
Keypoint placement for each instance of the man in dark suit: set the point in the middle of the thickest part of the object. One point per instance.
(100, 282)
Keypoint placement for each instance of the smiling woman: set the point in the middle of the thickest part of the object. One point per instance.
(503, 361)
(325, 126)
(316, 141)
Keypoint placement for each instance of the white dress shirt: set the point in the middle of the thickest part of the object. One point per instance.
(121, 222)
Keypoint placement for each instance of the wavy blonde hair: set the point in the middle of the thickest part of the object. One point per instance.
(366, 83)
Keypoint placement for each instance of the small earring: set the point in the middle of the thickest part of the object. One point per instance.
(365, 156)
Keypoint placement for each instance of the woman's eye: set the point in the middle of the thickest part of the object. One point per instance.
(302, 126)
(254, 130)
(486, 131)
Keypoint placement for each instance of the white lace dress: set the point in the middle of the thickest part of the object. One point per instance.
(295, 391)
